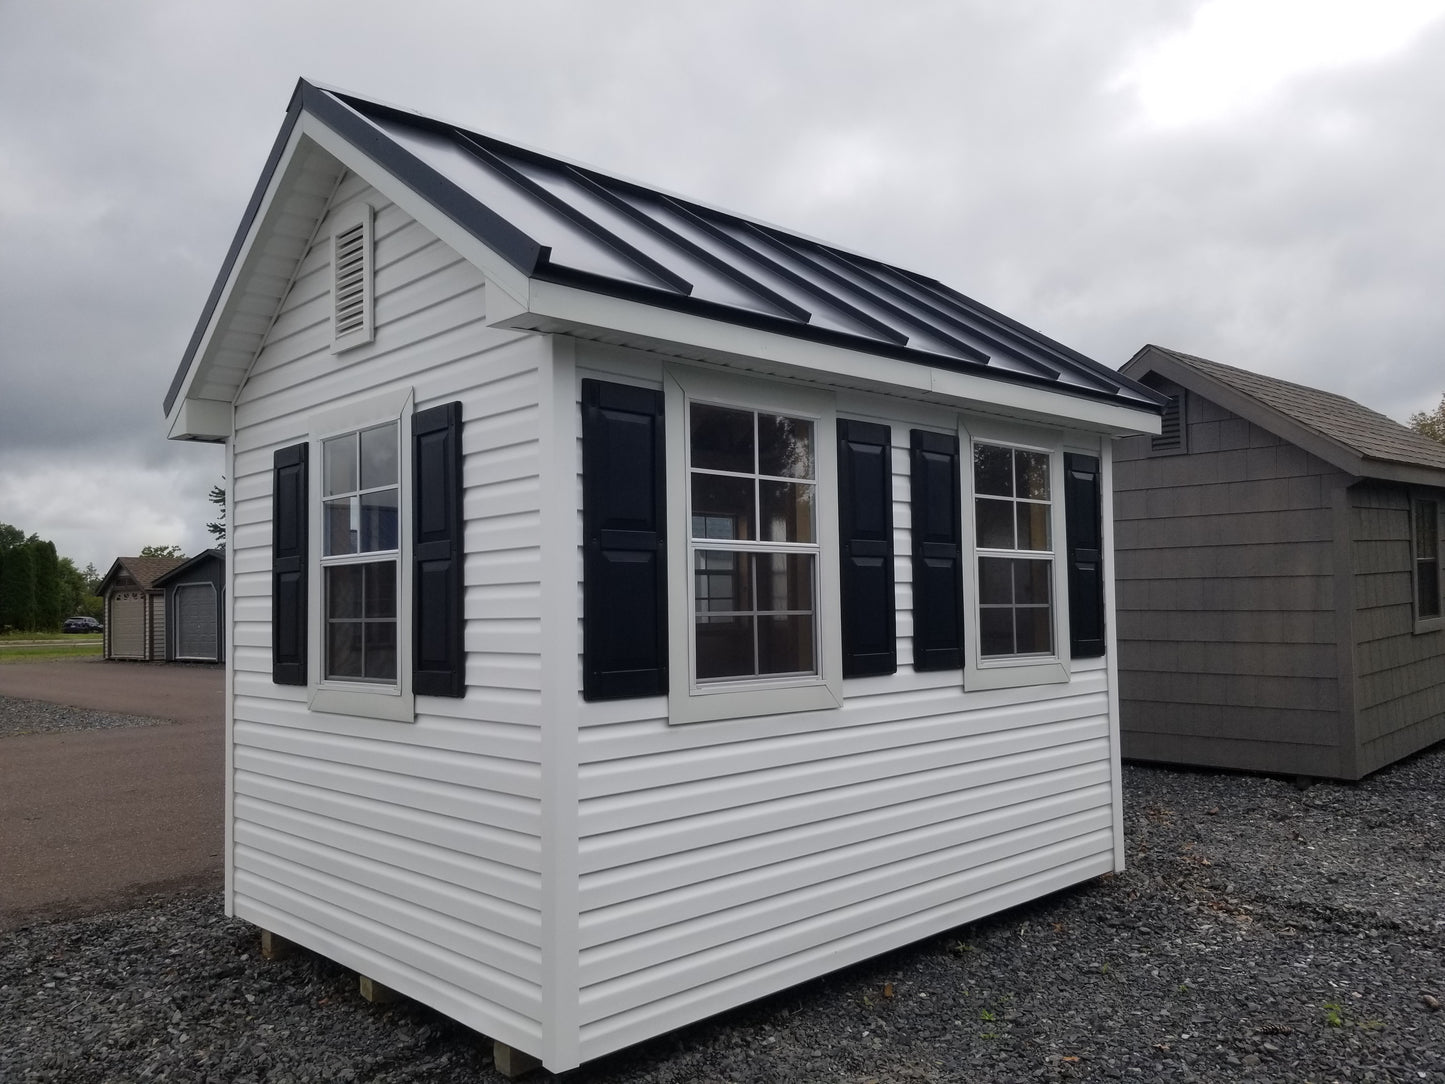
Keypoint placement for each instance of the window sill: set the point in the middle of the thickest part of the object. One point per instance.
(1427, 625)
(368, 702)
(711, 705)
(1016, 675)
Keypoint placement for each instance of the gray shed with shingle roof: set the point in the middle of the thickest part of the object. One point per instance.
(1279, 595)
(135, 610)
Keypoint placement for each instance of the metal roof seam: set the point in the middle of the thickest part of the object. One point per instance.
(669, 236)
(600, 233)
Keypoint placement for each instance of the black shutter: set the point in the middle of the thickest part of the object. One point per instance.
(438, 654)
(865, 536)
(1083, 508)
(937, 552)
(624, 573)
(288, 566)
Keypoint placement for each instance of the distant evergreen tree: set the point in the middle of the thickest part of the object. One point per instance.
(217, 527)
(45, 571)
(17, 588)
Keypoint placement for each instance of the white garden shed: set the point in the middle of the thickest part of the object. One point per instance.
(633, 609)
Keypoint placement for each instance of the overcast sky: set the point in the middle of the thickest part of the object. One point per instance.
(1261, 182)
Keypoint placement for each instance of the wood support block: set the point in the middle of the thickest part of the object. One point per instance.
(511, 1062)
(276, 947)
(375, 992)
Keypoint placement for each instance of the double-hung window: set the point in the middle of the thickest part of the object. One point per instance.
(1012, 513)
(753, 597)
(753, 543)
(360, 606)
(1017, 612)
(1427, 564)
(361, 553)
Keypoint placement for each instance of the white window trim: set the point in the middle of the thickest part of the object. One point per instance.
(689, 702)
(1013, 672)
(393, 702)
(349, 217)
(1437, 622)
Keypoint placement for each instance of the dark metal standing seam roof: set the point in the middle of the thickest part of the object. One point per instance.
(571, 225)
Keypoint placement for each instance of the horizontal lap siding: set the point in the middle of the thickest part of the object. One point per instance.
(722, 861)
(1400, 674)
(411, 852)
(1225, 568)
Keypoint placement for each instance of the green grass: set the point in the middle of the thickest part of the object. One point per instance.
(12, 637)
(84, 647)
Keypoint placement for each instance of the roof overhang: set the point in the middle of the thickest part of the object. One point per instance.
(1151, 359)
(560, 309)
(324, 136)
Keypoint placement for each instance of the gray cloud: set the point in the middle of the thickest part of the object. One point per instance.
(991, 145)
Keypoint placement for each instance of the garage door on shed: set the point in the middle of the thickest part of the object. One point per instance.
(127, 626)
(196, 621)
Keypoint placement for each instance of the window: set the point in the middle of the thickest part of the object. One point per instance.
(753, 546)
(1427, 564)
(357, 605)
(361, 553)
(753, 597)
(1018, 616)
(1012, 512)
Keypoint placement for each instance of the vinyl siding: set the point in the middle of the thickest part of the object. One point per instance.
(1399, 673)
(1225, 561)
(408, 851)
(722, 861)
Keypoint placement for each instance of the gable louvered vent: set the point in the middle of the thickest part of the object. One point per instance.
(1171, 426)
(351, 285)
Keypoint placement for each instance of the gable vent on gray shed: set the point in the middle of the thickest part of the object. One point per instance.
(1171, 427)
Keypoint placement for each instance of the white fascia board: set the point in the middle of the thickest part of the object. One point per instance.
(200, 419)
(222, 313)
(496, 269)
(503, 279)
(560, 307)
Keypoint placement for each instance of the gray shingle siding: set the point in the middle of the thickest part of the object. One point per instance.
(1225, 559)
(1400, 674)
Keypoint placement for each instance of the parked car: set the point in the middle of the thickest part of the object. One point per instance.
(82, 624)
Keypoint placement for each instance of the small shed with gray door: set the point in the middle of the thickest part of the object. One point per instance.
(635, 609)
(195, 608)
(1278, 563)
(135, 608)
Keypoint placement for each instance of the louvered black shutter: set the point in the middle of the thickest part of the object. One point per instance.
(624, 568)
(937, 552)
(1083, 510)
(865, 536)
(438, 655)
(288, 566)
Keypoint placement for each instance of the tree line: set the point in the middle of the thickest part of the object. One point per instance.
(38, 588)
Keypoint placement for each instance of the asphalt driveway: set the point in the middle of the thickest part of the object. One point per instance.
(94, 819)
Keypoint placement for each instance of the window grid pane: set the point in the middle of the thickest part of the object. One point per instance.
(361, 621)
(1427, 559)
(752, 481)
(361, 515)
(1013, 519)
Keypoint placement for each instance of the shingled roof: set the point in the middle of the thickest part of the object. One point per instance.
(566, 233)
(1353, 437)
(144, 570)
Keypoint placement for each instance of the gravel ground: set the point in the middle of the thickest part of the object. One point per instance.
(1261, 933)
(19, 716)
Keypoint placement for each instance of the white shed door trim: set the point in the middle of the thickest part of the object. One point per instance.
(195, 617)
